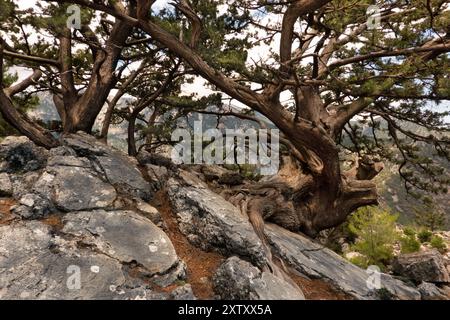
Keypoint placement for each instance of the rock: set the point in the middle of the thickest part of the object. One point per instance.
(125, 176)
(239, 280)
(149, 211)
(221, 175)
(33, 266)
(145, 158)
(211, 222)
(212, 172)
(430, 291)
(35, 263)
(32, 206)
(6, 188)
(158, 175)
(20, 154)
(62, 151)
(23, 183)
(183, 293)
(316, 261)
(119, 170)
(77, 188)
(422, 266)
(231, 178)
(125, 236)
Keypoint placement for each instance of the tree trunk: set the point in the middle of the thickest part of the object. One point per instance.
(25, 126)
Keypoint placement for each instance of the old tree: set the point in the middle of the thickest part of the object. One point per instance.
(331, 75)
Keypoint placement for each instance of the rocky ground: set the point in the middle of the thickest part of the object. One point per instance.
(84, 221)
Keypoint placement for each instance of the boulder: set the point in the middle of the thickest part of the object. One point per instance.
(422, 266)
(77, 188)
(430, 291)
(211, 222)
(124, 236)
(183, 293)
(237, 279)
(119, 170)
(150, 212)
(92, 257)
(32, 205)
(6, 188)
(35, 266)
(316, 261)
(20, 154)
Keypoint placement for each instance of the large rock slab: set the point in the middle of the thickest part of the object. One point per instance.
(35, 265)
(125, 236)
(316, 261)
(426, 266)
(95, 255)
(237, 279)
(120, 170)
(77, 188)
(211, 222)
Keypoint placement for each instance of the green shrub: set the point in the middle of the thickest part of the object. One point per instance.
(409, 231)
(409, 244)
(424, 236)
(430, 216)
(376, 234)
(360, 261)
(438, 243)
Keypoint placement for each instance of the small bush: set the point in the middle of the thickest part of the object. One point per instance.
(438, 243)
(409, 244)
(360, 261)
(410, 232)
(424, 236)
(376, 234)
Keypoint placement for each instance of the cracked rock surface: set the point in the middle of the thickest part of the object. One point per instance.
(95, 248)
(237, 279)
(86, 261)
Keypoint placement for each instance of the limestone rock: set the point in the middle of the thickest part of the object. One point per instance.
(239, 280)
(422, 266)
(20, 154)
(119, 170)
(430, 291)
(316, 261)
(6, 188)
(209, 221)
(125, 236)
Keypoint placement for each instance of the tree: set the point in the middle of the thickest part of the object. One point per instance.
(80, 81)
(333, 64)
(376, 234)
(430, 216)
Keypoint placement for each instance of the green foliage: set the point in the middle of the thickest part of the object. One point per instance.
(409, 231)
(438, 243)
(430, 216)
(360, 261)
(23, 101)
(409, 244)
(424, 235)
(376, 234)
